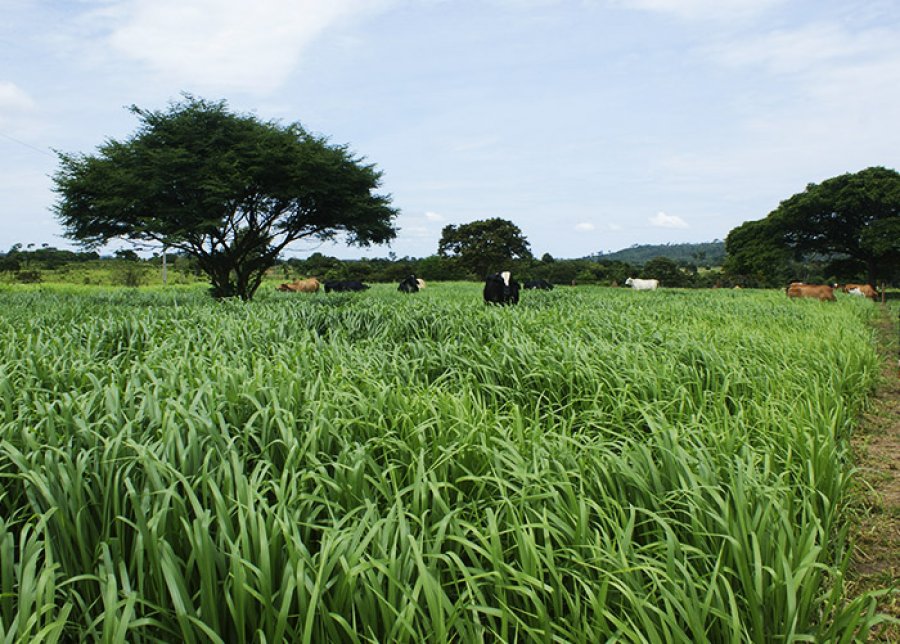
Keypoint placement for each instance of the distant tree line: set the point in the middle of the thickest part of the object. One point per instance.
(18, 258)
(31, 264)
(557, 271)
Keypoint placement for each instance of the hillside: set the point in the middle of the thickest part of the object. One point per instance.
(702, 253)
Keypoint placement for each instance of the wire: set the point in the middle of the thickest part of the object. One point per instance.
(27, 145)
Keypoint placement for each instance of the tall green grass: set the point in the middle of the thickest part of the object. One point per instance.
(594, 464)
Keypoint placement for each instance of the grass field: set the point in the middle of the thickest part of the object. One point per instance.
(593, 464)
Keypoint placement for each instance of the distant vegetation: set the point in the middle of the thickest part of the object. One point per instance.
(674, 265)
(707, 254)
(49, 265)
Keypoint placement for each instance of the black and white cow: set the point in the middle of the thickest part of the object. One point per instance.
(501, 288)
(341, 286)
(409, 285)
(543, 285)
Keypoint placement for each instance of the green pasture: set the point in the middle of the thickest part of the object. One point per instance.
(592, 465)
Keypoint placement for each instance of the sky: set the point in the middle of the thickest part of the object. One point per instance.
(593, 125)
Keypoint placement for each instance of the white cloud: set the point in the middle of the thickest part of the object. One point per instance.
(663, 220)
(433, 216)
(232, 44)
(584, 226)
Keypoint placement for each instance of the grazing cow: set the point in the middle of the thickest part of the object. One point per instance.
(862, 290)
(543, 285)
(821, 292)
(420, 282)
(409, 285)
(300, 286)
(642, 285)
(501, 288)
(342, 286)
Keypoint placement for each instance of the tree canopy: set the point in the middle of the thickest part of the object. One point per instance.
(484, 246)
(852, 219)
(667, 271)
(229, 189)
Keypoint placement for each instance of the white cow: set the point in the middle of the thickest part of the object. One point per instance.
(642, 285)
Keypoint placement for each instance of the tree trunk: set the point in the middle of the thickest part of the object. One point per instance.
(242, 284)
(233, 275)
(872, 272)
(218, 269)
(248, 278)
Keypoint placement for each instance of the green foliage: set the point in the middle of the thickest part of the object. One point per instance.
(851, 221)
(664, 466)
(755, 257)
(46, 257)
(484, 246)
(228, 189)
(131, 274)
(30, 276)
(127, 254)
(436, 267)
(9, 264)
(666, 271)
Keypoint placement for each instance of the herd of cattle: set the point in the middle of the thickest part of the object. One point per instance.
(825, 293)
(501, 288)
(312, 285)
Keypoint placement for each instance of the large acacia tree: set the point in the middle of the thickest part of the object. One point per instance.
(485, 245)
(228, 189)
(852, 218)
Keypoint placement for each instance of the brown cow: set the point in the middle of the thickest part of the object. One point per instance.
(864, 290)
(821, 292)
(300, 286)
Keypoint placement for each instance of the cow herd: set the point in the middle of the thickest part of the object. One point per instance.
(499, 288)
(312, 285)
(825, 293)
(502, 288)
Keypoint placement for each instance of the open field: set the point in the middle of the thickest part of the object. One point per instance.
(668, 466)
